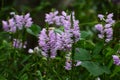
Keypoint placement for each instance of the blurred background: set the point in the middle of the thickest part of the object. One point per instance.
(86, 11)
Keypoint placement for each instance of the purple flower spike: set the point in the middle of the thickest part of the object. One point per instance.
(49, 43)
(17, 22)
(106, 31)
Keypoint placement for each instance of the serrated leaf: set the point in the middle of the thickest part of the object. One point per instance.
(82, 54)
(98, 48)
(84, 34)
(94, 68)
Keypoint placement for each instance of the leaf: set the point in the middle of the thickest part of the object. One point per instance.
(26, 68)
(98, 48)
(82, 54)
(3, 57)
(117, 48)
(25, 59)
(34, 30)
(109, 52)
(84, 34)
(58, 31)
(39, 75)
(24, 77)
(116, 70)
(4, 36)
(2, 78)
(94, 68)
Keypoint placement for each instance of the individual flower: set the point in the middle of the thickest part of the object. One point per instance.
(98, 78)
(99, 27)
(78, 63)
(110, 21)
(116, 59)
(108, 25)
(30, 51)
(110, 15)
(5, 26)
(68, 65)
(100, 16)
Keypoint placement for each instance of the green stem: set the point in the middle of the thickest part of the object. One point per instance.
(23, 36)
(73, 49)
(95, 22)
(73, 53)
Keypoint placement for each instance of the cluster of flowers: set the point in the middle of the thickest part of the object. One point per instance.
(17, 22)
(105, 31)
(116, 59)
(19, 44)
(51, 41)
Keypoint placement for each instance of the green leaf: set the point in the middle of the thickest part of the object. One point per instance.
(24, 77)
(25, 59)
(2, 78)
(3, 57)
(117, 47)
(94, 68)
(39, 75)
(82, 54)
(85, 35)
(26, 68)
(98, 48)
(58, 31)
(115, 71)
(34, 30)
(109, 52)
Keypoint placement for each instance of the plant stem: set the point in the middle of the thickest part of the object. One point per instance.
(73, 53)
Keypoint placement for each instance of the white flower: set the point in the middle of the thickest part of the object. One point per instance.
(30, 51)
